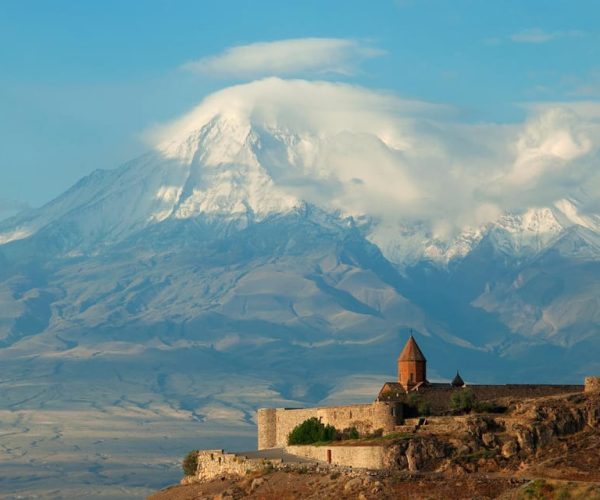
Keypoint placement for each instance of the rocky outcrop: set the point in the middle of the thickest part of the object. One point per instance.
(420, 453)
(495, 442)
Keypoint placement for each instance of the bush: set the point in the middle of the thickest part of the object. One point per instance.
(463, 400)
(190, 463)
(349, 433)
(466, 401)
(416, 406)
(488, 407)
(377, 433)
(424, 409)
(311, 431)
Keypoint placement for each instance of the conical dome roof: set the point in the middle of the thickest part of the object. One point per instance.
(458, 381)
(411, 351)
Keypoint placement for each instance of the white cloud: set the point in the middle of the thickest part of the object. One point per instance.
(286, 57)
(402, 162)
(537, 35)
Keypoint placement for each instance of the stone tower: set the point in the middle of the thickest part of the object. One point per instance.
(412, 365)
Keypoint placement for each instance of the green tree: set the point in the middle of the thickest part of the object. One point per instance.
(190, 463)
(463, 400)
(311, 431)
(417, 405)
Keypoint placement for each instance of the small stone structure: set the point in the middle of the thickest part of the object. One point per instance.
(592, 384)
(214, 463)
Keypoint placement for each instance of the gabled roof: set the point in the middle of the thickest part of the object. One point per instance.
(391, 391)
(411, 351)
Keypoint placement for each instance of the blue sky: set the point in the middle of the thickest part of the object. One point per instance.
(81, 81)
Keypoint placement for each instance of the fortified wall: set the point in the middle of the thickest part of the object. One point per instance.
(275, 424)
(411, 389)
(437, 396)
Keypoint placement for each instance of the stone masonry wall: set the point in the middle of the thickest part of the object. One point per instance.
(214, 463)
(439, 397)
(267, 428)
(365, 457)
(275, 424)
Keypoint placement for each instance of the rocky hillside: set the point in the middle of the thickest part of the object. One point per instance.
(539, 448)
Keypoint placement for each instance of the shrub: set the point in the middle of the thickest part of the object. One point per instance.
(424, 409)
(488, 407)
(349, 433)
(311, 431)
(377, 433)
(190, 463)
(463, 400)
(416, 406)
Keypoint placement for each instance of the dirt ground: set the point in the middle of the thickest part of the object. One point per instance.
(280, 485)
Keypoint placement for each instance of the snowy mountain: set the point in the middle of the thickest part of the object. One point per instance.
(262, 255)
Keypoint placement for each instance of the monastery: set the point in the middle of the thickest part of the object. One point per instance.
(394, 401)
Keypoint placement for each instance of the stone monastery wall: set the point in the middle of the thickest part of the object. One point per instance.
(364, 457)
(275, 424)
(439, 397)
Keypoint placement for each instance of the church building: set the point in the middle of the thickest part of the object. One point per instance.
(412, 374)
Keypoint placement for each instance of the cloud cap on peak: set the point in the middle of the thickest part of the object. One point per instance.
(367, 152)
(295, 56)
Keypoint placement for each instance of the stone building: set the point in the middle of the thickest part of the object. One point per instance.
(396, 398)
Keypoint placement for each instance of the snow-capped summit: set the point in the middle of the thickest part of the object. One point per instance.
(271, 146)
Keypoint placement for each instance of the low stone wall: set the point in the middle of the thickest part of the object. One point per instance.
(275, 424)
(215, 463)
(361, 457)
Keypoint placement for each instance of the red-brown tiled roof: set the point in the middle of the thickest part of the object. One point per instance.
(411, 351)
